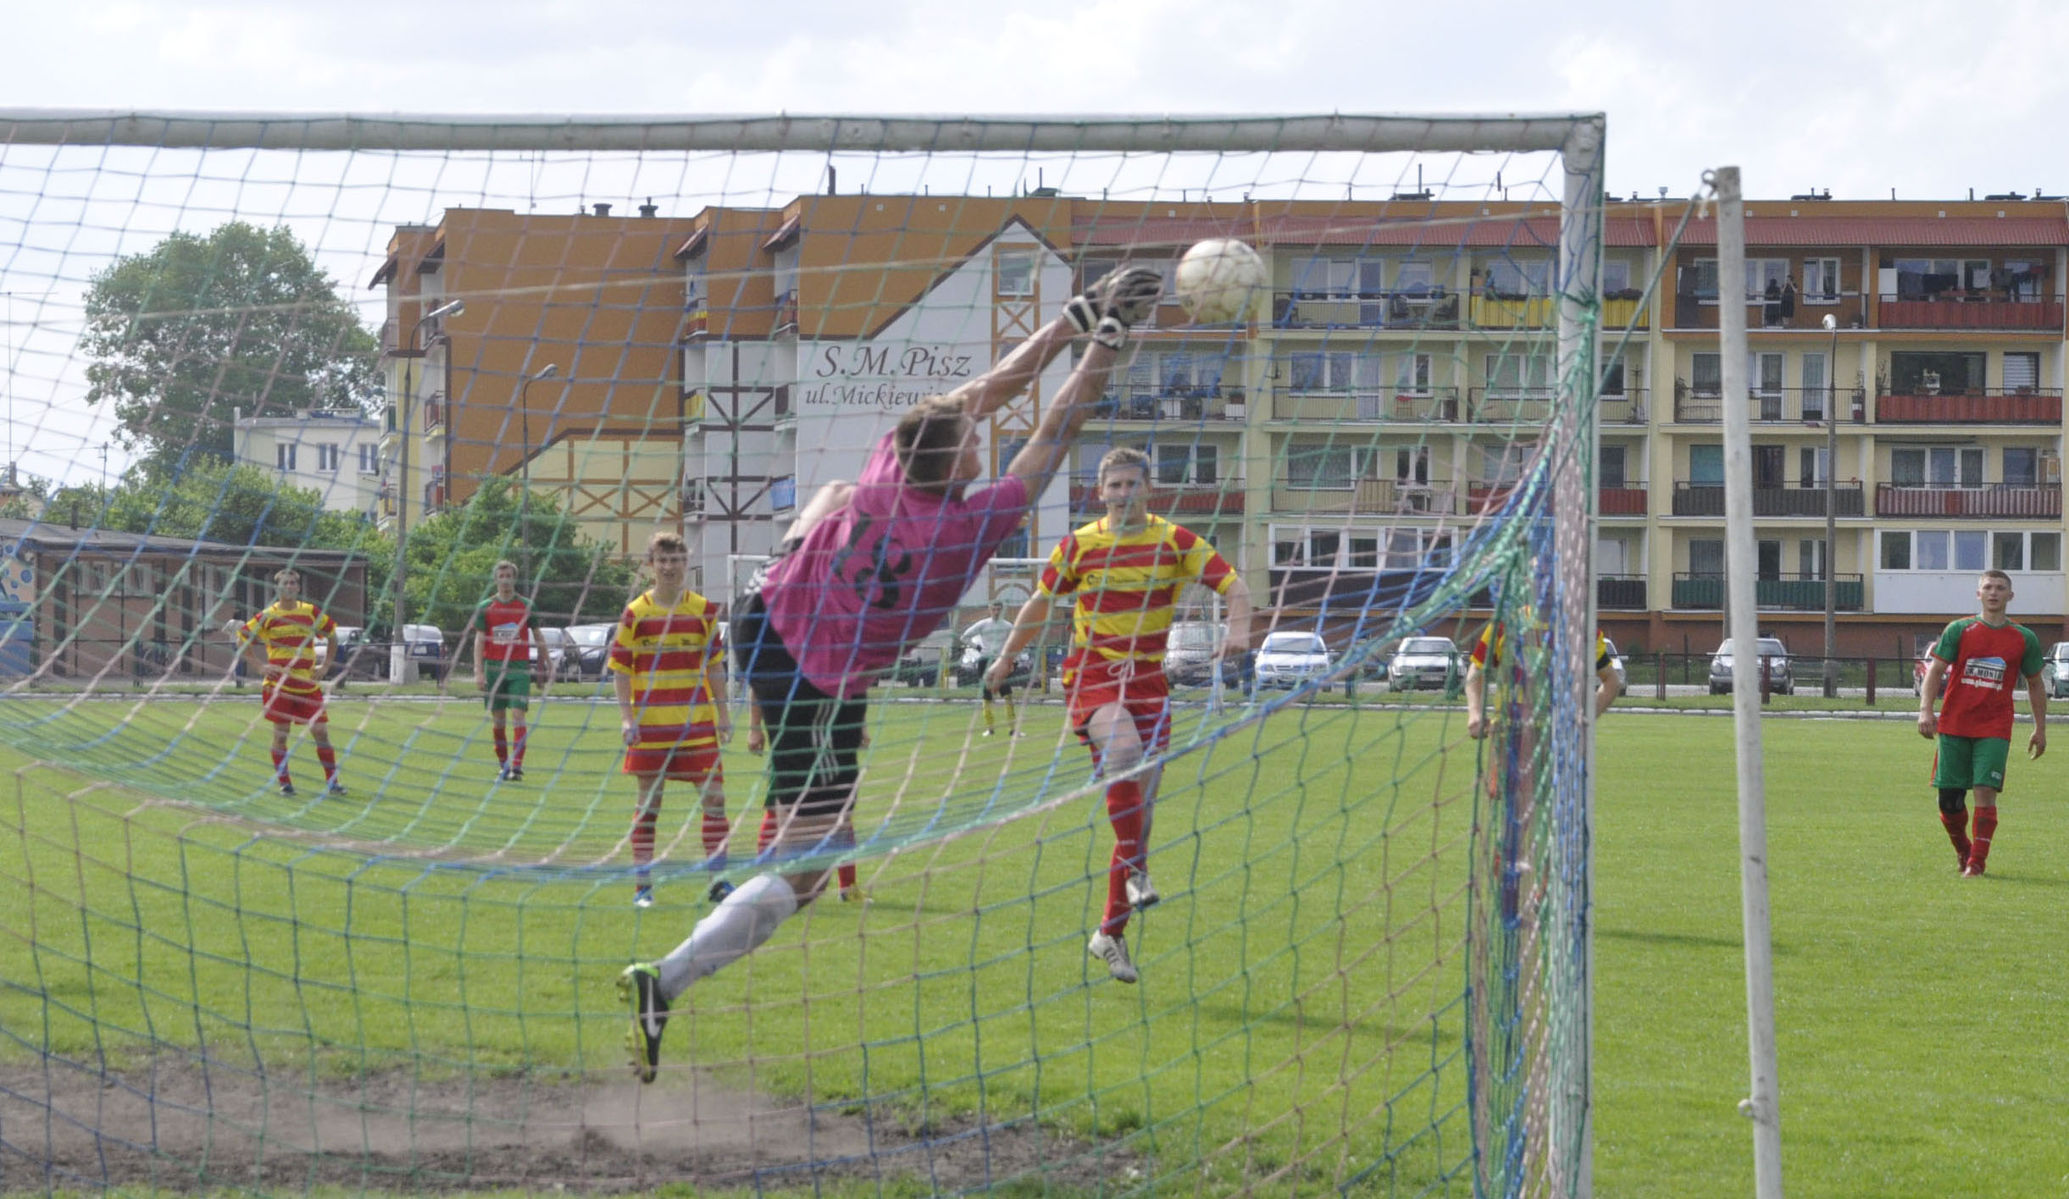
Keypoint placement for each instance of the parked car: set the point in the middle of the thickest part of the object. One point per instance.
(564, 658)
(920, 664)
(1924, 663)
(2054, 671)
(1290, 659)
(591, 649)
(1423, 661)
(1189, 655)
(969, 667)
(1616, 665)
(1780, 678)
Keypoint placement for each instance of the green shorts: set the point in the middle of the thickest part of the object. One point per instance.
(509, 687)
(1967, 762)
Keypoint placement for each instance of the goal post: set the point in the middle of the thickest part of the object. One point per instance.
(275, 374)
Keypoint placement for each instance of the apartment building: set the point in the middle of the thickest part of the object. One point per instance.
(1382, 404)
(335, 454)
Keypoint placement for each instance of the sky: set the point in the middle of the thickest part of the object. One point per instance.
(1920, 99)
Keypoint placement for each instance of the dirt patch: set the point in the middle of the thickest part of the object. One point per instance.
(185, 1125)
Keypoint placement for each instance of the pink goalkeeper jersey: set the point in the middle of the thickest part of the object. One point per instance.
(884, 571)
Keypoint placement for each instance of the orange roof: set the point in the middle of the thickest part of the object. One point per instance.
(1891, 231)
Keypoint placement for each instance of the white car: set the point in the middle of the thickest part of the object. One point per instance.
(1420, 661)
(1290, 659)
(2054, 671)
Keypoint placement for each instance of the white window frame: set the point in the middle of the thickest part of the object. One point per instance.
(328, 457)
(1015, 273)
(1759, 271)
(1189, 457)
(1616, 275)
(369, 458)
(284, 455)
(1412, 373)
(1821, 270)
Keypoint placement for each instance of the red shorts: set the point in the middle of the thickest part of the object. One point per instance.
(1139, 688)
(292, 707)
(696, 763)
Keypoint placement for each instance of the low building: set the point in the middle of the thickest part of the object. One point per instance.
(335, 454)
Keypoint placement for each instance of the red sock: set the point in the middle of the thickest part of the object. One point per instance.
(1124, 812)
(643, 838)
(847, 873)
(715, 830)
(329, 758)
(1956, 824)
(517, 740)
(768, 830)
(280, 768)
(502, 748)
(1986, 827)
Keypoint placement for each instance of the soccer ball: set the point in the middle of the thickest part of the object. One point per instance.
(1219, 279)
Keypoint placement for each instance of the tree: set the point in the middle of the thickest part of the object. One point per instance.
(198, 327)
(570, 579)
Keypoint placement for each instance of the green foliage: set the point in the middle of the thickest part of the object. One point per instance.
(197, 327)
(570, 579)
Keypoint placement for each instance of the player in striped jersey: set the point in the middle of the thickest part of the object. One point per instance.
(665, 661)
(281, 644)
(1124, 570)
(505, 636)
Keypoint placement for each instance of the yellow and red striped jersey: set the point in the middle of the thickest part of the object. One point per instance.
(291, 633)
(1494, 639)
(1127, 584)
(666, 650)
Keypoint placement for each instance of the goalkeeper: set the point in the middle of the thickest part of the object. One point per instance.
(866, 570)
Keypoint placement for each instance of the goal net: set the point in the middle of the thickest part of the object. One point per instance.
(284, 391)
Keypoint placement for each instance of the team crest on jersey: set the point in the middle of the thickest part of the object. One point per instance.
(1984, 672)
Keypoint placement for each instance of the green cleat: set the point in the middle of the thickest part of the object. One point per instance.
(639, 988)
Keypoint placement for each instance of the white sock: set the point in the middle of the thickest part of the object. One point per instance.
(744, 920)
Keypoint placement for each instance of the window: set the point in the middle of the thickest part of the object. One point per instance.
(1178, 465)
(1706, 465)
(1415, 278)
(1412, 465)
(1364, 553)
(1706, 557)
(1412, 373)
(1016, 273)
(1896, 549)
(1813, 374)
(1935, 373)
(1324, 277)
(1700, 280)
(1706, 374)
(1970, 547)
(327, 457)
(1319, 466)
(1518, 374)
(1510, 280)
(1936, 466)
(1616, 280)
(1821, 280)
(2021, 372)
(1333, 371)
(2008, 551)
(783, 493)
(2046, 552)
(1811, 464)
(1926, 278)
(2021, 467)
(369, 459)
(1810, 558)
(1610, 474)
(1931, 549)
(1764, 372)
(1503, 464)
(284, 455)
(2022, 280)
(1765, 278)
(1613, 378)
(1322, 545)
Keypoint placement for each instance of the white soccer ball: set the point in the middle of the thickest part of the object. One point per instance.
(1218, 280)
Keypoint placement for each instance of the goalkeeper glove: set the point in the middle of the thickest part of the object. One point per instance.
(1116, 303)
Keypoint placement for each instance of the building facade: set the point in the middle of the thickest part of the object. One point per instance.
(335, 454)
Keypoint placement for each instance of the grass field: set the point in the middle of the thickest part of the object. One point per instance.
(1299, 1022)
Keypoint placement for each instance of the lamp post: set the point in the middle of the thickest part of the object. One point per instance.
(1831, 506)
(398, 652)
(524, 468)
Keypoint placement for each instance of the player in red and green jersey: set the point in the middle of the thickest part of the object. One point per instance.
(281, 642)
(505, 636)
(672, 704)
(1979, 657)
(1124, 571)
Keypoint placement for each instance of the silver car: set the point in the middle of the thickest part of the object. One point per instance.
(2054, 672)
(1290, 659)
(1781, 680)
(1423, 662)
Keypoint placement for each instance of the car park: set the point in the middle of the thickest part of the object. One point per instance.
(1288, 659)
(590, 646)
(1780, 678)
(1423, 662)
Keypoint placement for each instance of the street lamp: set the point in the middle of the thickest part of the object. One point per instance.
(524, 468)
(1831, 506)
(398, 652)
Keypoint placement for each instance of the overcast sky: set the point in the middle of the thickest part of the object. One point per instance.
(1928, 99)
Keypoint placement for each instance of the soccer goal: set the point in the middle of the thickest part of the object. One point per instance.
(337, 449)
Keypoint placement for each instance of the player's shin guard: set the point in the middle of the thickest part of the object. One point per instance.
(329, 759)
(280, 768)
(1986, 828)
(1124, 812)
(747, 917)
(1954, 818)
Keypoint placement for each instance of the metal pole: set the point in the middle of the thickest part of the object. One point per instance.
(524, 469)
(1762, 1106)
(409, 376)
(1831, 509)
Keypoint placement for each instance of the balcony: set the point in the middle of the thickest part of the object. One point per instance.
(1770, 405)
(1356, 589)
(1511, 405)
(434, 411)
(1698, 310)
(1209, 500)
(1172, 404)
(2023, 406)
(1620, 501)
(1625, 593)
(1482, 498)
(1624, 312)
(696, 321)
(1999, 500)
(786, 311)
(1779, 592)
(1626, 407)
(1707, 499)
(1394, 497)
(1969, 310)
(1515, 312)
(1364, 310)
(1383, 404)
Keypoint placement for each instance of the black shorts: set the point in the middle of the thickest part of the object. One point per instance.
(1003, 690)
(815, 739)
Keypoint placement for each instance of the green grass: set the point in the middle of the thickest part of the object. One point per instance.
(1299, 1018)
